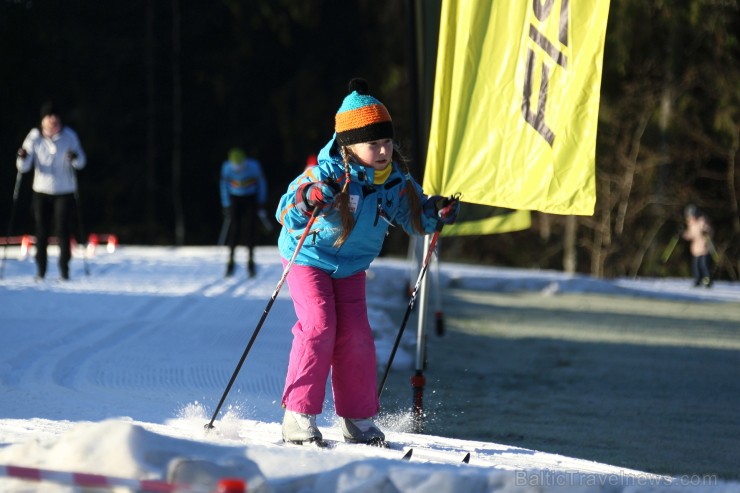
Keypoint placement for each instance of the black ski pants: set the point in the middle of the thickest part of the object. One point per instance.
(48, 210)
(701, 268)
(243, 213)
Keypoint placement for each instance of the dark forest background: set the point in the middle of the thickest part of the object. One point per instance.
(158, 91)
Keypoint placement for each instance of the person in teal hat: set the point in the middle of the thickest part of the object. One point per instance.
(359, 188)
(243, 194)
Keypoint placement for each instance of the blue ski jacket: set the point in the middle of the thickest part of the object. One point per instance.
(241, 179)
(375, 207)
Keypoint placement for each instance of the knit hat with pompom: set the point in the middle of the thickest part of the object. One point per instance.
(237, 155)
(361, 118)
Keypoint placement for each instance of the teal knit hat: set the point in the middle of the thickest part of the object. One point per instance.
(361, 118)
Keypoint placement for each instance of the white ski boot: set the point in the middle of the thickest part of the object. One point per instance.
(362, 431)
(299, 428)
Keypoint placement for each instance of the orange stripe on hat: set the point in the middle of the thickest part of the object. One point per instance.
(361, 117)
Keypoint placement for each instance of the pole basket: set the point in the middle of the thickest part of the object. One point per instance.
(418, 381)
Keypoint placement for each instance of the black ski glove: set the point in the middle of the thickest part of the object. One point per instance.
(445, 209)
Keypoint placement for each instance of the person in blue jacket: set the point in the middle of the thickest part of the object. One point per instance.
(243, 194)
(361, 186)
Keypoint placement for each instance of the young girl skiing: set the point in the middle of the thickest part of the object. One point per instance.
(359, 188)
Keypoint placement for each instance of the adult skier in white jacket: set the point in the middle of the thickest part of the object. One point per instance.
(55, 153)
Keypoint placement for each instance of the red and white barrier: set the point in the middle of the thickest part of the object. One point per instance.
(10, 240)
(93, 240)
(26, 241)
(85, 480)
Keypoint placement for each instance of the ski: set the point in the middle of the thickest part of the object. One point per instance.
(327, 443)
(314, 442)
(429, 456)
(406, 452)
(333, 444)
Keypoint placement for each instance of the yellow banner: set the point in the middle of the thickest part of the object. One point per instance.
(516, 102)
(475, 219)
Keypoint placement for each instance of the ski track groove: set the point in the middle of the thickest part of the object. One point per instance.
(41, 361)
(140, 373)
(161, 314)
(77, 363)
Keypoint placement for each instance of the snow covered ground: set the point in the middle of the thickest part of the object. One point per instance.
(116, 374)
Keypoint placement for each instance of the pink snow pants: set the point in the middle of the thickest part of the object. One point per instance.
(332, 333)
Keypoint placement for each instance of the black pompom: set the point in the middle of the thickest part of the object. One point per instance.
(359, 85)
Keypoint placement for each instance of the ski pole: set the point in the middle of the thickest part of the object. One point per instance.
(669, 248)
(224, 230)
(302, 239)
(451, 203)
(410, 306)
(16, 193)
(712, 249)
(80, 229)
(262, 215)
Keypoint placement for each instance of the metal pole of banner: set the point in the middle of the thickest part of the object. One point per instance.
(418, 381)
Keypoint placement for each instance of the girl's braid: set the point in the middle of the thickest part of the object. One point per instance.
(413, 198)
(348, 221)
